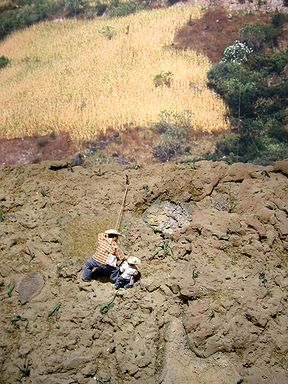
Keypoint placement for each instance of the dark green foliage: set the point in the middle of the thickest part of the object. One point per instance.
(172, 2)
(101, 9)
(257, 95)
(239, 86)
(74, 7)
(227, 144)
(173, 128)
(3, 61)
(126, 9)
(267, 64)
(278, 19)
(30, 12)
(26, 14)
(253, 35)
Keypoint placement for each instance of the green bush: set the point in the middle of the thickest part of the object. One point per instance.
(126, 9)
(269, 63)
(227, 144)
(253, 36)
(4, 61)
(278, 131)
(174, 124)
(272, 151)
(163, 79)
(74, 7)
(108, 31)
(238, 86)
(278, 19)
(271, 35)
(165, 150)
(173, 128)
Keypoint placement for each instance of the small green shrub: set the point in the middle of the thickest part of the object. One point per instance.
(163, 79)
(278, 131)
(227, 144)
(108, 31)
(74, 7)
(271, 35)
(253, 36)
(173, 128)
(165, 150)
(4, 61)
(24, 370)
(126, 9)
(278, 19)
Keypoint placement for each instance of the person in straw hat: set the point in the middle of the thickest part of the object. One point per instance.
(128, 271)
(106, 256)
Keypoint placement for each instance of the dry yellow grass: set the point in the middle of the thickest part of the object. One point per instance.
(68, 76)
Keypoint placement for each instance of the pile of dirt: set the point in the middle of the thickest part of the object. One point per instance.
(211, 304)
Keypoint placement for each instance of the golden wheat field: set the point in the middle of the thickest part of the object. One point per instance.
(87, 76)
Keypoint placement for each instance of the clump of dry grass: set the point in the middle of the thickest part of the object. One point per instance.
(71, 76)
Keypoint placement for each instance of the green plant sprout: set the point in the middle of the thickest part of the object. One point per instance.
(211, 315)
(15, 320)
(101, 380)
(30, 253)
(163, 249)
(2, 216)
(100, 173)
(45, 191)
(263, 279)
(146, 188)
(24, 370)
(10, 287)
(54, 310)
(108, 32)
(195, 275)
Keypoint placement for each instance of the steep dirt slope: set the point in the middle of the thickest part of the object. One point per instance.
(211, 304)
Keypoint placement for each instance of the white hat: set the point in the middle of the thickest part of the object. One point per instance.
(133, 260)
(113, 232)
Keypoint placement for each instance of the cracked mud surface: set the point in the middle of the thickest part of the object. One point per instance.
(211, 304)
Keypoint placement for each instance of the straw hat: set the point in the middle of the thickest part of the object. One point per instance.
(133, 260)
(113, 232)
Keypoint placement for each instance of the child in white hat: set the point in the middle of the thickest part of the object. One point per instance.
(128, 271)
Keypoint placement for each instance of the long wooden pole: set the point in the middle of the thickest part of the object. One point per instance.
(118, 223)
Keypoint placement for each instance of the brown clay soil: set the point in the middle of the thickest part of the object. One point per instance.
(211, 303)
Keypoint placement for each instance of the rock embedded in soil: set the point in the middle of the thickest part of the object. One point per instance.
(30, 286)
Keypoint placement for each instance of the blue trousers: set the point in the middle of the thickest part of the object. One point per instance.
(92, 263)
(120, 282)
